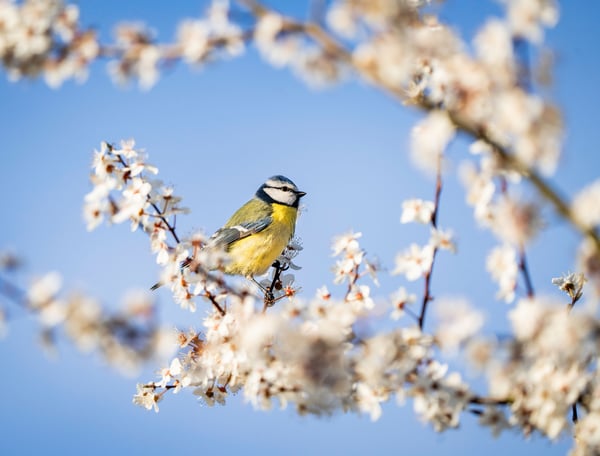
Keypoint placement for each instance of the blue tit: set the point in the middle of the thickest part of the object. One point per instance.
(259, 231)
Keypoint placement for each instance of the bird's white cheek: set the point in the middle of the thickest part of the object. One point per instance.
(280, 196)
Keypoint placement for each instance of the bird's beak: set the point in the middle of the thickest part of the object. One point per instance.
(300, 194)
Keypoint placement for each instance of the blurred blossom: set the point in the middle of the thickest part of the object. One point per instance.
(417, 210)
(494, 47)
(528, 18)
(586, 205)
(429, 139)
(480, 190)
(400, 299)
(502, 265)
(458, 323)
(414, 262)
(516, 222)
(44, 289)
(442, 239)
(588, 260)
(192, 36)
(308, 353)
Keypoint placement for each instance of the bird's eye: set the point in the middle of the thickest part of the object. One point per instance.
(286, 189)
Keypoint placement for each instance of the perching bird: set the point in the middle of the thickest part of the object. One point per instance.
(258, 232)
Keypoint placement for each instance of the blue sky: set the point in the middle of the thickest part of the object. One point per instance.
(216, 134)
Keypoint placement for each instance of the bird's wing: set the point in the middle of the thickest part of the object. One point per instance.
(228, 235)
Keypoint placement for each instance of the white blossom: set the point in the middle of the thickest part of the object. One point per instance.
(417, 210)
(528, 17)
(586, 205)
(458, 322)
(192, 36)
(414, 262)
(43, 290)
(571, 283)
(516, 222)
(502, 265)
(442, 239)
(400, 299)
(146, 397)
(429, 138)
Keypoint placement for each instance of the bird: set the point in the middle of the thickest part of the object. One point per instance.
(258, 232)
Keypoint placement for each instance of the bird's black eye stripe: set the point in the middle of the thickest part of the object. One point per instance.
(284, 188)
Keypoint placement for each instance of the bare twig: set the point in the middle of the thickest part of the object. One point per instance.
(427, 293)
(525, 272)
(213, 300)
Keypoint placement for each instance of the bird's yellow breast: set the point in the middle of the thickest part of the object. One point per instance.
(255, 254)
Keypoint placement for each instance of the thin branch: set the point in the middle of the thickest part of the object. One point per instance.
(269, 298)
(525, 271)
(481, 400)
(213, 300)
(436, 203)
(12, 292)
(159, 213)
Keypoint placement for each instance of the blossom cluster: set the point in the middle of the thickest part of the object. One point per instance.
(548, 366)
(311, 353)
(123, 190)
(45, 38)
(308, 354)
(125, 339)
(42, 37)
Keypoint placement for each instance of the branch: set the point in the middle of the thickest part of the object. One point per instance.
(525, 271)
(427, 294)
(333, 48)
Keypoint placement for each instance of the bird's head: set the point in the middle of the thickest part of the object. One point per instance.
(280, 189)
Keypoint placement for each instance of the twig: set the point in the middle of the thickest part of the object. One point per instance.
(525, 271)
(481, 400)
(12, 292)
(436, 202)
(208, 295)
(159, 213)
